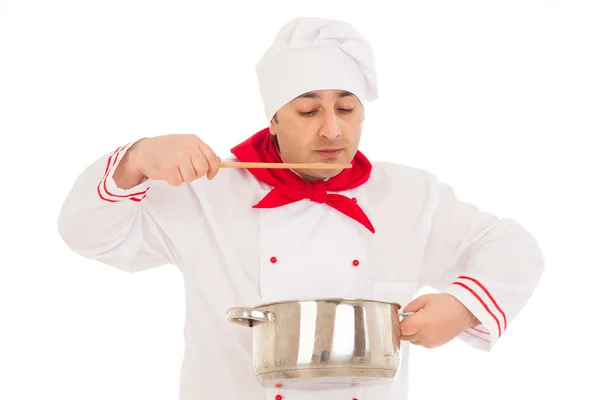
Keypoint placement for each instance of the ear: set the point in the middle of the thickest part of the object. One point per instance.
(272, 128)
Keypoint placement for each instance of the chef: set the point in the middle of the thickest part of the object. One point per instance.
(247, 236)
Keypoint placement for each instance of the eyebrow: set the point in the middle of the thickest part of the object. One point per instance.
(314, 95)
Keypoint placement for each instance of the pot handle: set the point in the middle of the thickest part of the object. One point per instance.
(402, 315)
(249, 316)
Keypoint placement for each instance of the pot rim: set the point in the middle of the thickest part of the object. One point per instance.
(327, 300)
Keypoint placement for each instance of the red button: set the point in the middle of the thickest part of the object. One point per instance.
(355, 263)
(354, 199)
(355, 398)
(273, 260)
(278, 397)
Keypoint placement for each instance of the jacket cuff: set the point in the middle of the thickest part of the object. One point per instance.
(480, 302)
(107, 188)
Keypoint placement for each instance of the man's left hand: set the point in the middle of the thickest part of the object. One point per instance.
(438, 319)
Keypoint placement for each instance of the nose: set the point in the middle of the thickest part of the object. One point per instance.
(331, 128)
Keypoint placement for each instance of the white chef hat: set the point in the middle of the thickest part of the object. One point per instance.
(315, 54)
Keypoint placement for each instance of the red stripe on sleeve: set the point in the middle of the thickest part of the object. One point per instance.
(475, 336)
(482, 303)
(112, 160)
(480, 331)
(488, 294)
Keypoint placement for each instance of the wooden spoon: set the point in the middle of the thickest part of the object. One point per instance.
(228, 164)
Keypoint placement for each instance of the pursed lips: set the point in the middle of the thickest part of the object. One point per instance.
(328, 153)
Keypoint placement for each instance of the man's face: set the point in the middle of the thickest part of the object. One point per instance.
(322, 126)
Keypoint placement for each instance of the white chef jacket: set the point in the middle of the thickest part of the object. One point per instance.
(231, 254)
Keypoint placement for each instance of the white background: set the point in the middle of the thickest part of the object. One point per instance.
(499, 99)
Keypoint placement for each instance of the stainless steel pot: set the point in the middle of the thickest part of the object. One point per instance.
(317, 343)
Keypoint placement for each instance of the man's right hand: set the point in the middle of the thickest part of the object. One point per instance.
(175, 158)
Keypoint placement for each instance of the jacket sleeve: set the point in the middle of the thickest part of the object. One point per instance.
(102, 222)
(492, 265)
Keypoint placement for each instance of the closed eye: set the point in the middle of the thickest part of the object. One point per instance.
(309, 113)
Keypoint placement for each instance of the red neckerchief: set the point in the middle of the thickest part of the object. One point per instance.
(289, 187)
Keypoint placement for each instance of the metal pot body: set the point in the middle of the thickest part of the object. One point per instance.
(319, 343)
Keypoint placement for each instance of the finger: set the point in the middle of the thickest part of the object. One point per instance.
(411, 325)
(174, 177)
(418, 338)
(417, 303)
(187, 171)
(211, 158)
(412, 338)
(423, 344)
(199, 163)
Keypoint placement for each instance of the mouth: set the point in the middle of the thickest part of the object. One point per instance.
(328, 153)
